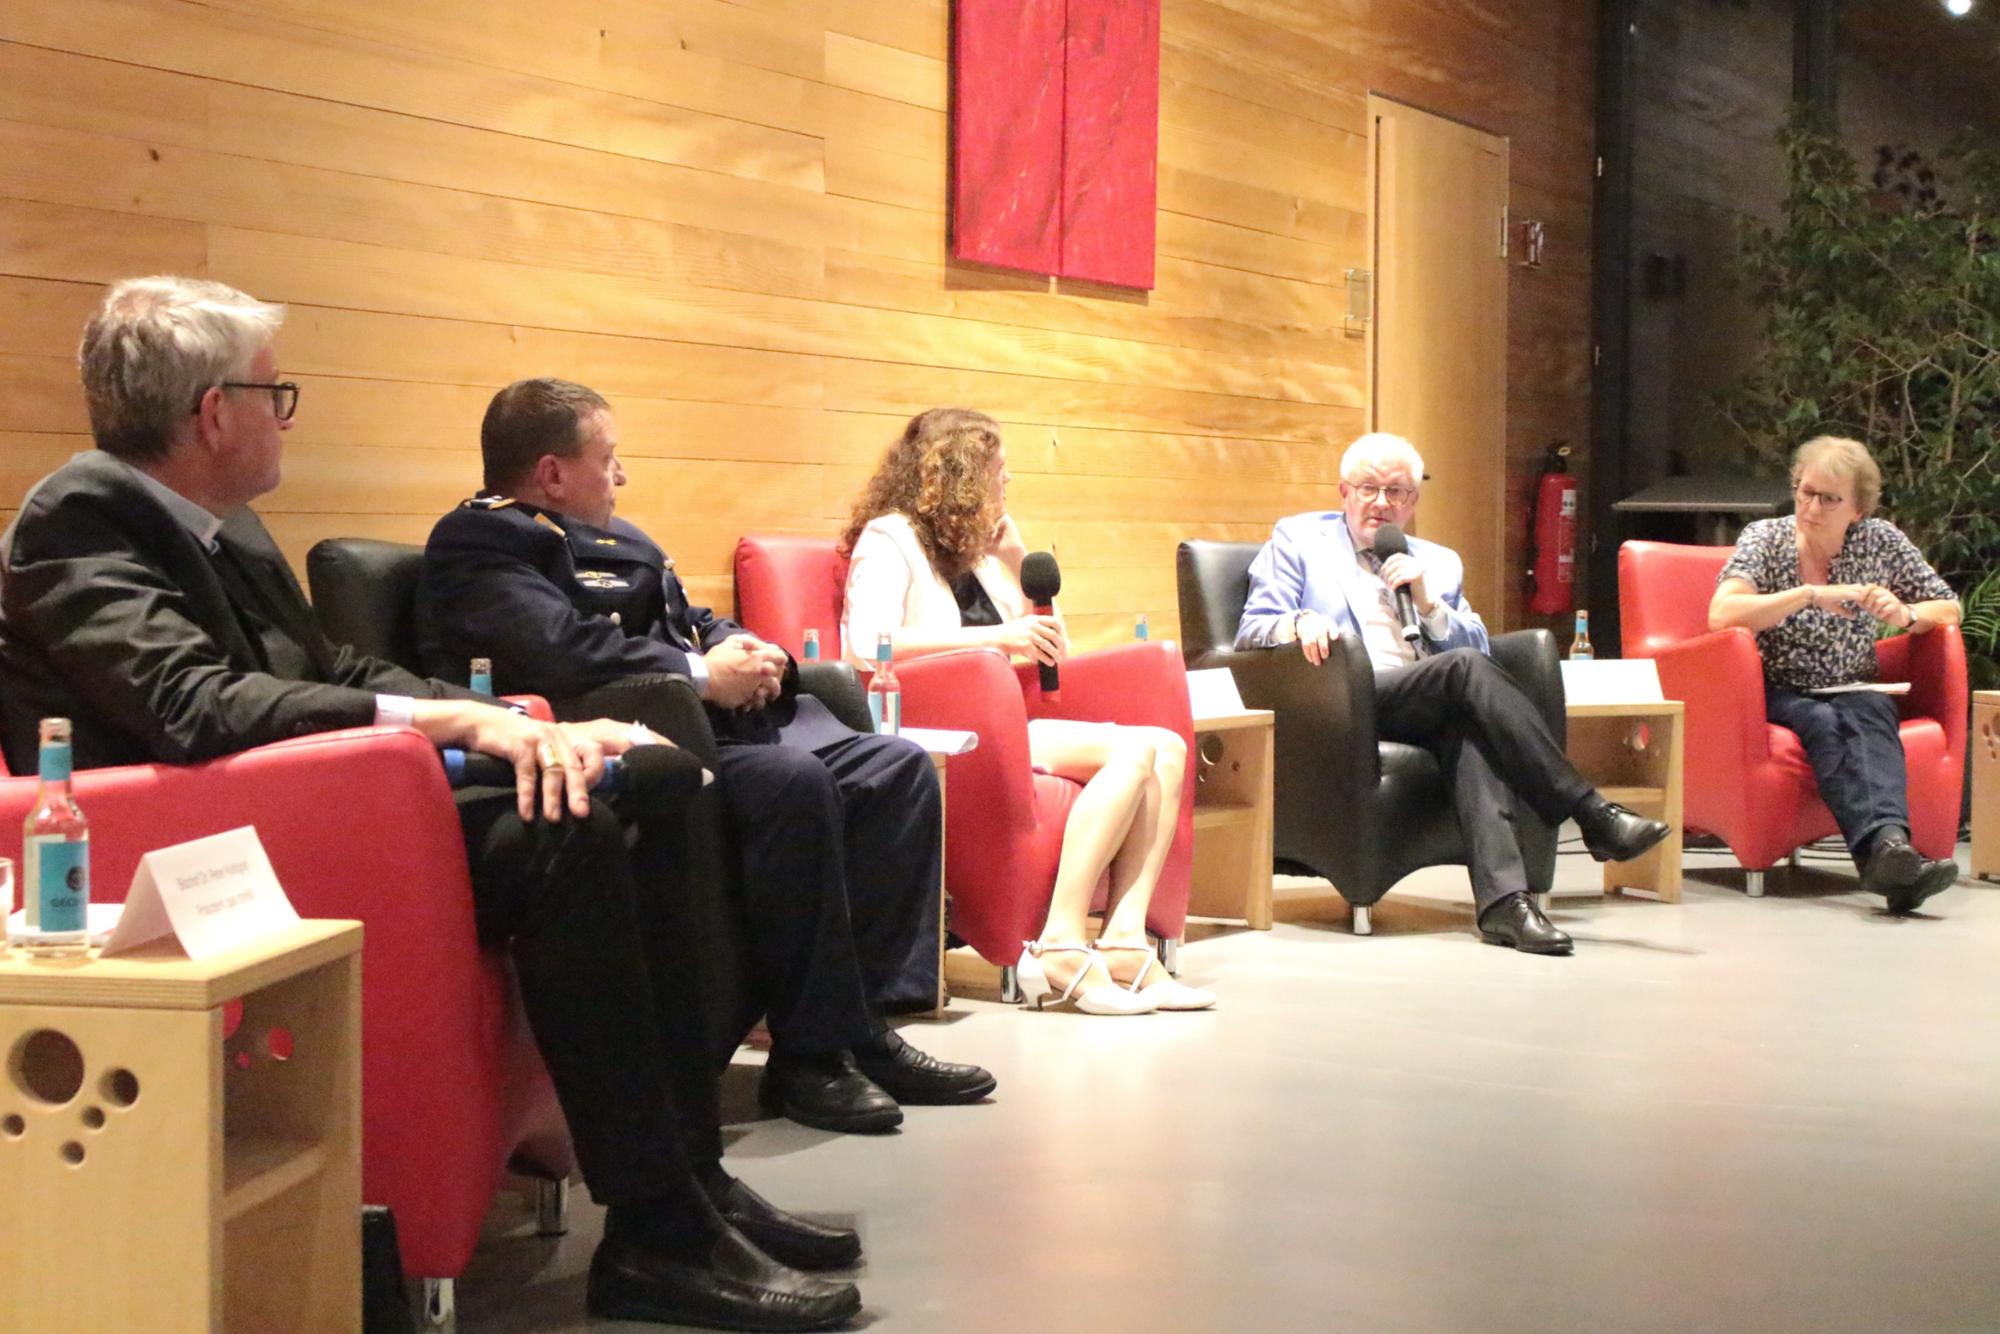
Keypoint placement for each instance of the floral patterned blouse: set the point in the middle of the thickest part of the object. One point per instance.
(1814, 648)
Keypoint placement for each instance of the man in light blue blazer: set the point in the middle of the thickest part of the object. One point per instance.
(1319, 577)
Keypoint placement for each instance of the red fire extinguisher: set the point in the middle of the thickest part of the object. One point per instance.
(1552, 537)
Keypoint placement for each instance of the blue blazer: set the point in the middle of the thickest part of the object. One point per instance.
(1310, 564)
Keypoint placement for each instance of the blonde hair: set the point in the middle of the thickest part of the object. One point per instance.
(1847, 459)
(939, 475)
(1378, 448)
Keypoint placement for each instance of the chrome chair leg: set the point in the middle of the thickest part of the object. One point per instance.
(1170, 957)
(440, 1303)
(1362, 926)
(1753, 884)
(1010, 985)
(551, 1208)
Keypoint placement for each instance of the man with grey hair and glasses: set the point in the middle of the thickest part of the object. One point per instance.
(1320, 577)
(143, 599)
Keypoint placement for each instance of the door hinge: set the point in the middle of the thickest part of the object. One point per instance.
(1600, 166)
(1597, 354)
(1503, 231)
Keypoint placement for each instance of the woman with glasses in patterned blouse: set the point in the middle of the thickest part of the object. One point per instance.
(1813, 585)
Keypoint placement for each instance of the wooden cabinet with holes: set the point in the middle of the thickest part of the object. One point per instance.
(1231, 876)
(180, 1142)
(1985, 743)
(1632, 754)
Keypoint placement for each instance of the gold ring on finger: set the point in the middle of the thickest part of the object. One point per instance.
(548, 756)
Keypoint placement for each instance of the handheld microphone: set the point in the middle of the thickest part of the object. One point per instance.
(1041, 580)
(646, 779)
(1389, 541)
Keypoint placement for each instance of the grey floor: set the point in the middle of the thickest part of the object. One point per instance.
(1726, 1114)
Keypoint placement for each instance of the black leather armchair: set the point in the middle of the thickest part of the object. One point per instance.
(364, 592)
(1358, 810)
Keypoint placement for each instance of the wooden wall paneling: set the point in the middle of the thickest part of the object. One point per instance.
(729, 218)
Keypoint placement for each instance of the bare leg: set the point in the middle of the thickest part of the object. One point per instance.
(1136, 869)
(1116, 779)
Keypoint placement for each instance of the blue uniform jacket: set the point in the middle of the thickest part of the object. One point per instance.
(1310, 563)
(560, 606)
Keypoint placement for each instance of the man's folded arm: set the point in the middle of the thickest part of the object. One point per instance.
(491, 605)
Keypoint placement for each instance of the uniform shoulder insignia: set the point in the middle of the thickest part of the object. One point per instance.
(545, 519)
(607, 541)
(487, 503)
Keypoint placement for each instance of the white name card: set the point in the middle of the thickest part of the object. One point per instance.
(941, 740)
(1212, 693)
(1611, 681)
(211, 894)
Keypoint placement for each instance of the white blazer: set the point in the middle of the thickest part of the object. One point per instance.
(891, 585)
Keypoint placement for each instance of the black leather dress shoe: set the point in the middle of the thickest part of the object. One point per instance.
(1936, 876)
(827, 1093)
(1893, 869)
(1615, 834)
(733, 1286)
(786, 1238)
(1516, 921)
(911, 1076)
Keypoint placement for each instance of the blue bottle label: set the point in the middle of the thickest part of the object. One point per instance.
(62, 884)
(886, 708)
(482, 683)
(54, 764)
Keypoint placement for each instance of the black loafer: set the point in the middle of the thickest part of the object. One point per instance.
(786, 1238)
(733, 1286)
(1893, 869)
(1516, 922)
(827, 1093)
(1935, 877)
(911, 1076)
(1614, 834)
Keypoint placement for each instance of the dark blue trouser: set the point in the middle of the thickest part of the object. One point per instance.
(1857, 756)
(841, 857)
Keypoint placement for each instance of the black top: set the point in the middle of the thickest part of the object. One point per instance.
(974, 606)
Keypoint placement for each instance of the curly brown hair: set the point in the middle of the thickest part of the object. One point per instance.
(939, 476)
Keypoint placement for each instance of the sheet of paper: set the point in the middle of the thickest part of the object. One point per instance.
(212, 894)
(1873, 687)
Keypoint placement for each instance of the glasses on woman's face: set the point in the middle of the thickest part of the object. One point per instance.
(284, 396)
(1805, 495)
(1395, 495)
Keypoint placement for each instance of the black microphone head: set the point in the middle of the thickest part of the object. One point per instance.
(1041, 578)
(1389, 541)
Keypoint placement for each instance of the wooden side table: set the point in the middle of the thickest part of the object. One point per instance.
(1632, 753)
(162, 1174)
(1232, 817)
(1985, 743)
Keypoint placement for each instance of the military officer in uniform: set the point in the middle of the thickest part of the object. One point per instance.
(839, 830)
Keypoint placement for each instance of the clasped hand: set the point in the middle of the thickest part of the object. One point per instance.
(1852, 599)
(744, 672)
(556, 762)
(1034, 636)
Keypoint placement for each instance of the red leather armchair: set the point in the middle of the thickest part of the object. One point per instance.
(360, 824)
(1004, 821)
(1748, 781)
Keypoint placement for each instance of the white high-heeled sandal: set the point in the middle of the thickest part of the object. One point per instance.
(1169, 993)
(1033, 979)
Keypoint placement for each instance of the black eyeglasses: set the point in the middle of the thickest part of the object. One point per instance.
(284, 396)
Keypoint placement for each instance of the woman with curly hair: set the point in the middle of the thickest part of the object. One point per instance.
(935, 562)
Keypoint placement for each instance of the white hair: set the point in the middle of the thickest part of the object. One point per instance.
(155, 346)
(1378, 449)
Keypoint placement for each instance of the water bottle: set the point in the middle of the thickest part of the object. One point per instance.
(1579, 647)
(1140, 630)
(885, 692)
(55, 842)
(481, 679)
(812, 646)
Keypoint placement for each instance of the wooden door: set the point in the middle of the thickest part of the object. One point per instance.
(1438, 350)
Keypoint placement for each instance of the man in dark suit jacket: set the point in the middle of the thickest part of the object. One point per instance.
(840, 831)
(168, 634)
